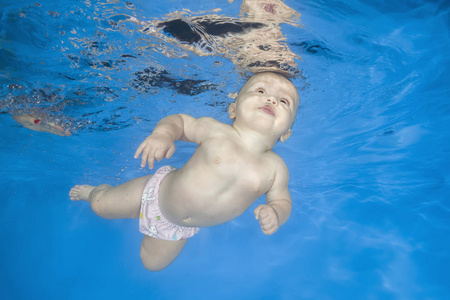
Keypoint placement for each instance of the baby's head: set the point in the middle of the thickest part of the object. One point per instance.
(268, 102)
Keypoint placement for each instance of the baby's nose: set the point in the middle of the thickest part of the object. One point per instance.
(272, 100)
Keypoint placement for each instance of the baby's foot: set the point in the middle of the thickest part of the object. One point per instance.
(80, 192)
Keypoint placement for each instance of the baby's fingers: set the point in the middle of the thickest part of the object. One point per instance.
(151, 162)
(147, 156)
(263, 212)
(257, 210)
(269, 228)
(164, 151)
(266, 226)
(268, 219)
(159, 154)
(170, 152)
(139, 150)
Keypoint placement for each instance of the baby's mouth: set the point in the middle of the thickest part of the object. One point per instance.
(268, 110)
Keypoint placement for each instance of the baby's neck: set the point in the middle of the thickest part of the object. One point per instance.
(255, 141)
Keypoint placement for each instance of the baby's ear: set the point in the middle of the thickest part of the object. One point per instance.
(232, 110)
(285, 136)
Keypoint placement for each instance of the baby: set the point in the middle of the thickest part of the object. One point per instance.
(232, 166)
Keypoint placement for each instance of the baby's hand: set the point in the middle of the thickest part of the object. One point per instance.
(156, 146)
(268, 218)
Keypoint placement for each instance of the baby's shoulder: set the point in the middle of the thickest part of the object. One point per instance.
(209, 121)
(213, 126)
(198, 130)
(277, 162)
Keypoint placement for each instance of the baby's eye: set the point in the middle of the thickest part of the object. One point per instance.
(260, 90)
(285, 101)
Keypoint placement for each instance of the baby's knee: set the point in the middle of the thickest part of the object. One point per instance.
(96, 198)
(150, 263)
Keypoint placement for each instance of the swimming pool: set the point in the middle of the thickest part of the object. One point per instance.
(368, 158)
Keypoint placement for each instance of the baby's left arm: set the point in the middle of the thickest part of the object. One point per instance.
(278, 205)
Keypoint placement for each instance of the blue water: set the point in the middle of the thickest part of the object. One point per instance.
(369, 158)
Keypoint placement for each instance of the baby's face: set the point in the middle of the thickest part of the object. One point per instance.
(270, 100)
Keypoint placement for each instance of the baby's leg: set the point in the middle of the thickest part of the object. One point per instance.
(158, 254)
(119, 202)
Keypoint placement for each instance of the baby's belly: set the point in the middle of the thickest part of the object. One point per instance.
(200, 214)
(204, 203)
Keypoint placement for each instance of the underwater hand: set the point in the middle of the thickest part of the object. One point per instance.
(156, 146)
(38, 124)
(268, 218)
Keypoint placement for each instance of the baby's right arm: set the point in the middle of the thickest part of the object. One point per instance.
(160, 144)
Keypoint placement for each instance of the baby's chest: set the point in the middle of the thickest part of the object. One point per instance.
(254, 178)
(248, 171)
